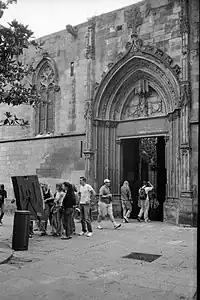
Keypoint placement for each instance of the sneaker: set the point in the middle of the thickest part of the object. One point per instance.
(138, 218)
(123, 221)
(1, 223)
(82, 233)
(99, 227)
(147, 220)
(89, 234)
(126, 219)
(117, 226)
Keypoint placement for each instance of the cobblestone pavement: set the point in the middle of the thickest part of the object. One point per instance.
(94, 268)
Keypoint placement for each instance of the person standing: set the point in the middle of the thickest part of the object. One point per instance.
(105, 205)
(74, 208)
(86, 194)
(144, 200)
(48, 204)
(57, 213)
(3, 197)
(126, 200)
(68, 203)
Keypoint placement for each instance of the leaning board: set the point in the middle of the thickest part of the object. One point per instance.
(28, 195)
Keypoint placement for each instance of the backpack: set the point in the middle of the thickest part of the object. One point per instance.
(142, 194)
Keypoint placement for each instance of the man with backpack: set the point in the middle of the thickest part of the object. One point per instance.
(144, 199)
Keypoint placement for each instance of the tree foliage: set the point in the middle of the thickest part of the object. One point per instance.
(14, 40)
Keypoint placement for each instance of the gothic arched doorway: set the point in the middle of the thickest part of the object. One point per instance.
(137, 98)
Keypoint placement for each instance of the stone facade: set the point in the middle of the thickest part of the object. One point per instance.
(132, 72)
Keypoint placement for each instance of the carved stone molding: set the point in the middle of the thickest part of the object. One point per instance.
(110, 65)
(136, 46)
(154, 70)
(185, 148)
(174, 115)
(90, 40)
(184, 17)
(72, 30)
(120, 55)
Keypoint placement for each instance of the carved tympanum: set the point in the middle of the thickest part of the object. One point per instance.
(144, 102)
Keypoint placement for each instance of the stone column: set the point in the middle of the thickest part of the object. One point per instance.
(119, 163)
(185, 102)
(90, 56)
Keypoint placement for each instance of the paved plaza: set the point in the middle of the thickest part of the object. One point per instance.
(95, 268)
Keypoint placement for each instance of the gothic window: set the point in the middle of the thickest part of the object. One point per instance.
(46, 85)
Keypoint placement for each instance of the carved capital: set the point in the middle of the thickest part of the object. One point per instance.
(119, 142)
(185, 148)
(174, 115)
(72, 30)
(166, 137)
(111, 124)
(89, 153)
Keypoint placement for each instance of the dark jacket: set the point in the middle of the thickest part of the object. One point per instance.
(69, 200)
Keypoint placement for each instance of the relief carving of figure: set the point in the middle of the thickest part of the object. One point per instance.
(143, 104)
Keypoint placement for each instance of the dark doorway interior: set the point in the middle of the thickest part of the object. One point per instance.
(144, 159)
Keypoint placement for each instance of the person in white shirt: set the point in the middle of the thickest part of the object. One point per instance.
(59, 195)
(86, 194)
(147, 186)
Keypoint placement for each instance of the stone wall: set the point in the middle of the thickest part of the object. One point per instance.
(52, 159)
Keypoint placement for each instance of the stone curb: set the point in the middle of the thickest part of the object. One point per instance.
(6, 253)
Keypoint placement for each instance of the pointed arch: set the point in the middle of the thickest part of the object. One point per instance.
(138, 63)
(46, 82)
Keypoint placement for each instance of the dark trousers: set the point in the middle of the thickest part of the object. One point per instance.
(73, 223)
(85, 218)
(2, 211)
(67, 221)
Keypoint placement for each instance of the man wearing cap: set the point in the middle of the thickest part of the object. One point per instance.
(105, 204)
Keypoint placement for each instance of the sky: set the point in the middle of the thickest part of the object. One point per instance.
(48, 16)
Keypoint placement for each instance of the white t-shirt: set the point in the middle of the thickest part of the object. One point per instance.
(147, 190)
(85, 192)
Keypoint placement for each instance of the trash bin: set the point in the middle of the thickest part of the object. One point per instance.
(21, 225)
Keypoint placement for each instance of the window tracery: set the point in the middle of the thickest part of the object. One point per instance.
(47, 86)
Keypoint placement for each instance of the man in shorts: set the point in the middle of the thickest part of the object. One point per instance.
(105, 205)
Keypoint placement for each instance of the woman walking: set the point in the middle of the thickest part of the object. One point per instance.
(126, 201)
(69, 202)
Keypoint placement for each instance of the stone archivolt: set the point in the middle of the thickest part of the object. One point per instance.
(138, 63)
